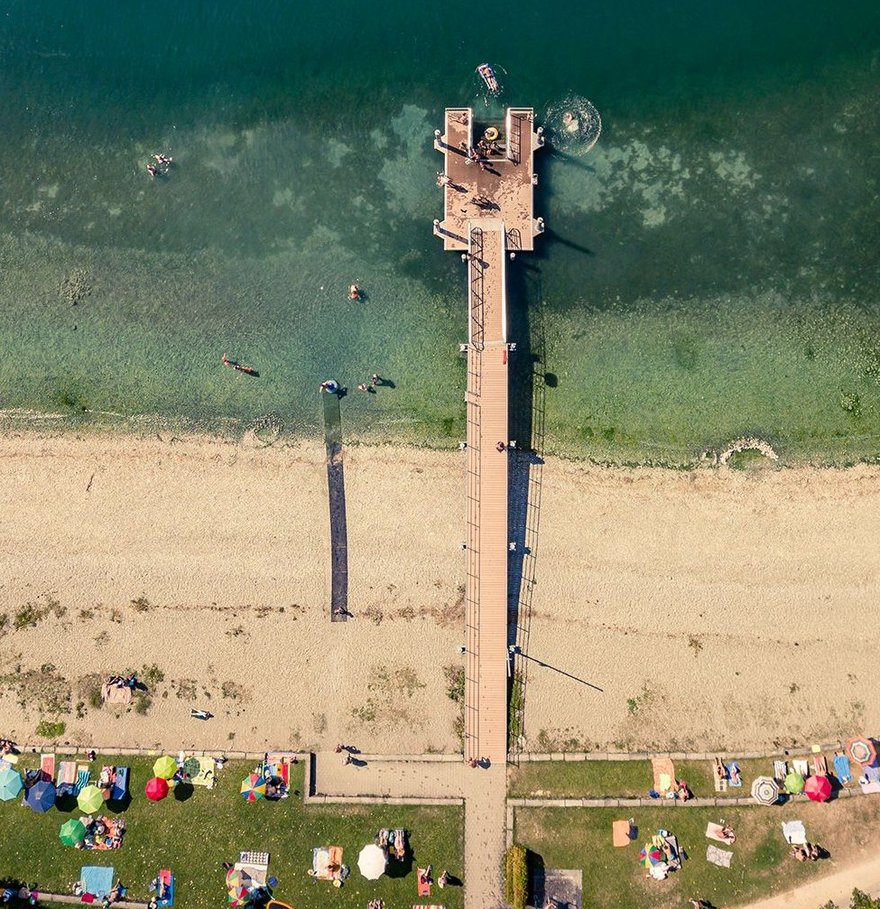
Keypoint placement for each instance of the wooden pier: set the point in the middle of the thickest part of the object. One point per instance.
(488, 199)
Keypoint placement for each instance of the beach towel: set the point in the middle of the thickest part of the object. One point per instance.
(120, 784)
(97, 880)
(780, 771)
(868, 786)
(205, 776)
(111, 694)
(794, 832)
(66, 777)
(260, 859)
(620, 833)
(322, 858)
(277, 763)
(47, 767)
(423, 883)
(427, 906)
(801, 766)
(716, 832)
(82, 778)
(10, 759)
(842, 769)
(257, 873)
(734, 775)
(720, 857)
(166, 878)
(719, 775)
(664, 774)
(818, 765)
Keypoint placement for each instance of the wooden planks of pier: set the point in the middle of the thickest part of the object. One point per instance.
(488, 213)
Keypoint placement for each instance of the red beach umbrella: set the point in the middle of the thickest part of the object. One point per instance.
(818, 788)
(156, 789)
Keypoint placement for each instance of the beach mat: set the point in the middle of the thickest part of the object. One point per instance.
(716, 832)
(720, 857)
(620, 833)
(780, 771)
(47, 767)
(842, 769)
(424, 888)
(795, 833)
(664, 774)
(96, 879)
(82, 778)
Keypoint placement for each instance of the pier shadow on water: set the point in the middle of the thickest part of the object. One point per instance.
(338, 521)
(527, 383)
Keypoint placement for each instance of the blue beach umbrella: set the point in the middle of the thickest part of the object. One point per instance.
(41, 796)
(10, 784)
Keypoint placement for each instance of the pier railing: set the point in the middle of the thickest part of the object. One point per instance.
(477, 300)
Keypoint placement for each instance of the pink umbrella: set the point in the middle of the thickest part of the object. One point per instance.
(861, 749)
(818, 788)
(156, 789)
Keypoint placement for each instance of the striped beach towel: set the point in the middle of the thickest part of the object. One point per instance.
(82, 779)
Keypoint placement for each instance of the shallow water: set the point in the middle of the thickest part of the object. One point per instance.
(710, 269)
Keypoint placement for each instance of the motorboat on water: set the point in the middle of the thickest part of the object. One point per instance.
(487, 74)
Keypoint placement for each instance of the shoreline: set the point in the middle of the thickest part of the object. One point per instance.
(710, 607)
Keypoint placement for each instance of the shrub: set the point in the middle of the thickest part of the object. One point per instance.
(46, 729)
(516, 877)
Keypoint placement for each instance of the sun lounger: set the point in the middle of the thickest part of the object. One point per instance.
(66, 777)
(664, 774)
(819, 765)
(780, 771)
(166, 880)
(423, 883)
(842, 769)
(47, 767)
(120, 784)
(795, 833)
(620, 833)
(801, 766)
(720, 857)
(733, 775)
(82, 778)
(716, 832)
(719, 775)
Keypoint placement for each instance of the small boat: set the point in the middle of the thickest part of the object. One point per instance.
(488, 76)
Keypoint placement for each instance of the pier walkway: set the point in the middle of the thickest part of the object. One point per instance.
(488, 189)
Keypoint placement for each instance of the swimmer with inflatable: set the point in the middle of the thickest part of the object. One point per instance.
(570, 122)
(354, 292)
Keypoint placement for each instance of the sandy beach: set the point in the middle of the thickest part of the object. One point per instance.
(712, 608)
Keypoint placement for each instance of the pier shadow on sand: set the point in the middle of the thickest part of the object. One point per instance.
(338, 521)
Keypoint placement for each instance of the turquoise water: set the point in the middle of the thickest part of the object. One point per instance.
(710, 271)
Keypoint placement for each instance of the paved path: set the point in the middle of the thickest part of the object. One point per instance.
(483, 792)
(837, 887)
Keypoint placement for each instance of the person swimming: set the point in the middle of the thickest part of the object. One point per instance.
(570, 122)
(354, 292)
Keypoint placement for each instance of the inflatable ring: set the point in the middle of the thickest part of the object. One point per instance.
(491, 134)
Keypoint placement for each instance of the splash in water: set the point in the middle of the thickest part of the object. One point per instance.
(573, 125)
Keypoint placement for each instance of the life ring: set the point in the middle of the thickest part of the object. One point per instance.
(491, 134)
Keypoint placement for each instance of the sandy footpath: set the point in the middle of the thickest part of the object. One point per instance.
(711, 607)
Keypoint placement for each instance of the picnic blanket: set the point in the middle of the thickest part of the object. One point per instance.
(664, 774)
(112, 694)
(165, 888)
(66, 777)
(205, 776)
(720, 857)
(794, 832)
(322, 858)
(47, 767)
(780, 771)
(842, 769)
(620, 833)
(716, 832)
(110, 839)
(277, 763)
(97, 880)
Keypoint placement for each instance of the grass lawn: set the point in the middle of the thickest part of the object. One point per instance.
(621, 779)
(196, 836)
(614, 878)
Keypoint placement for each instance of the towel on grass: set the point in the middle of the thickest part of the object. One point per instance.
(720, 857)
(733, 774)
(780, 771)
(795, 833)
(801, 767)
(96, 879)
(842, 768)
(620, 831)
(716, 832)
(664, 774)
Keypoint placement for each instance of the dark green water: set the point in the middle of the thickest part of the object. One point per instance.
(711, 269)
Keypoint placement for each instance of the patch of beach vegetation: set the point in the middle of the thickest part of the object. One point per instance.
(32, 613)
(389, 700)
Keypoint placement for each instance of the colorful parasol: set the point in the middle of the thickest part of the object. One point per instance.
(818, 788)
(90, 800)
(765, 790)
(253, 787)
(72, 832)
(165, 767)
(156, 789)
(10, 784)
(41, 797)
(862, 750)
(794, 783)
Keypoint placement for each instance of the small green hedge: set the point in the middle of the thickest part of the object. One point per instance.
(516, 877)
